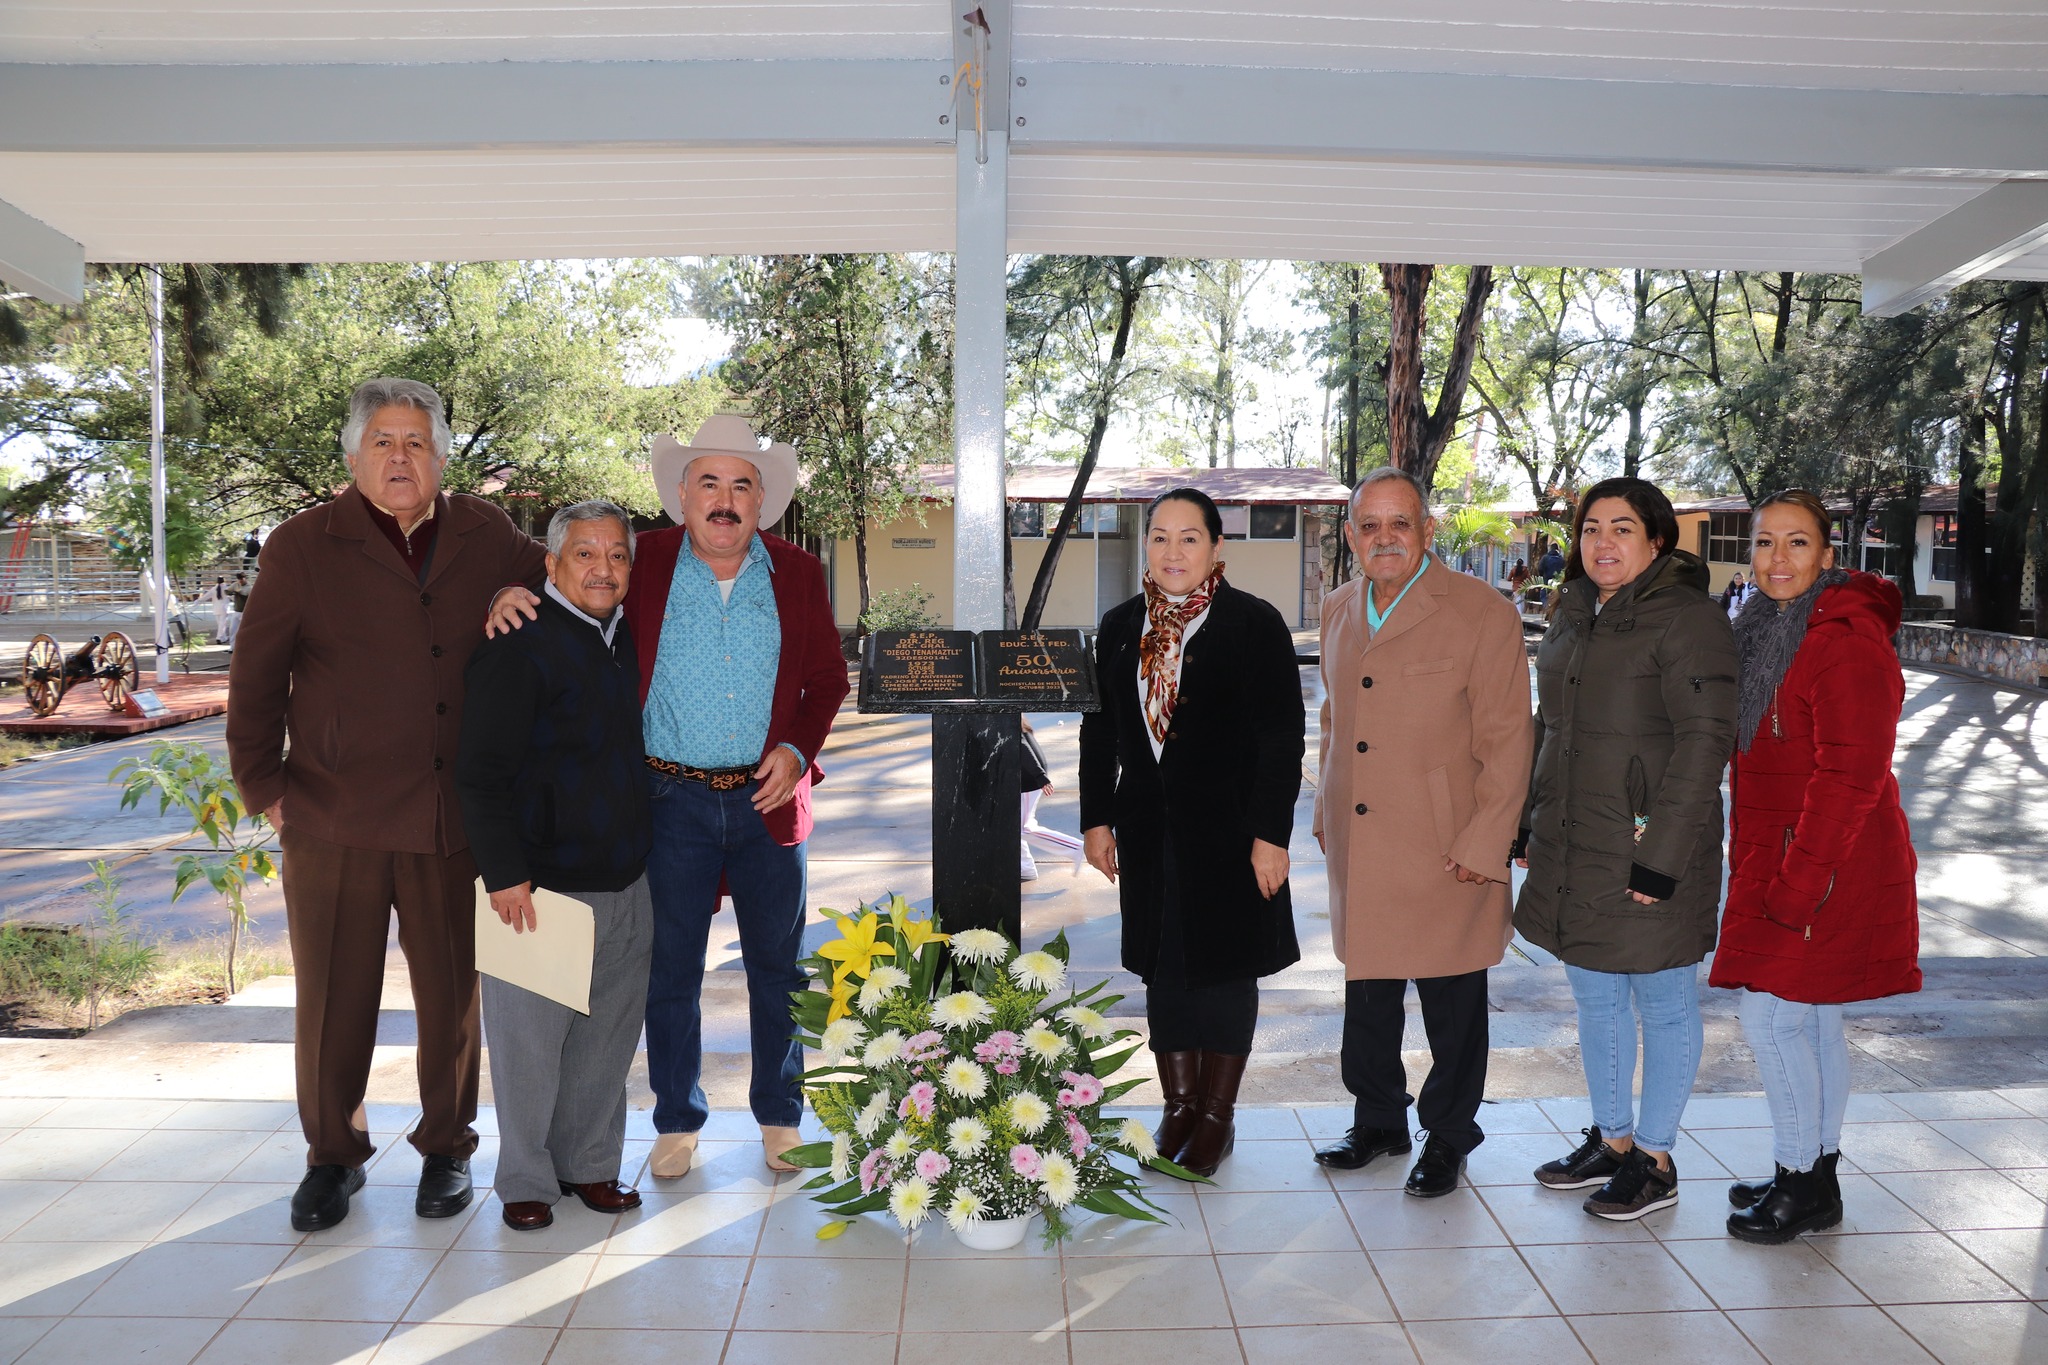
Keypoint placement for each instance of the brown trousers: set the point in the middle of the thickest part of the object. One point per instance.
(338, 903)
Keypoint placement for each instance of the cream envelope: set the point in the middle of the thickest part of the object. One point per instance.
(551, 959)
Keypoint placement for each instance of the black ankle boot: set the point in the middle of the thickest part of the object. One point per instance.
(1745, 1194)
(1798, 1202)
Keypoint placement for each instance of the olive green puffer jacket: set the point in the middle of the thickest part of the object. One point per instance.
(1636, 719)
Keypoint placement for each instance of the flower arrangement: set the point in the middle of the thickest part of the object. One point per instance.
(966, 1084)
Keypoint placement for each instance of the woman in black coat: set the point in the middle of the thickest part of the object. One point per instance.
(1189, 775)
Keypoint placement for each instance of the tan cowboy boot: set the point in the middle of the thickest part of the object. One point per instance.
(776, 1141)
(673, 1153)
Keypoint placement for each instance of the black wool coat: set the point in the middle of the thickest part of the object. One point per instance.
(1229, 773)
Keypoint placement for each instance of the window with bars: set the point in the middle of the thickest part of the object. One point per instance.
(1944, 567)
(1728, 537)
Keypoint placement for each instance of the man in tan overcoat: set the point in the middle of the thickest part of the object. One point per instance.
(1426, 747)
(353, 648)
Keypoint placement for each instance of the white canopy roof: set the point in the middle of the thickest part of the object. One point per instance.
(1896, 137)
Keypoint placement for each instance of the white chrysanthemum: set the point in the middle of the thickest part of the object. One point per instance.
(899, 1146)
(1039, 971)
(840, 1038)
(1090, 1024)
(966, 1206)
(1028, 1113)
(961, 1009)
(842, 1156)
(882, 1049)
(980, 945)
(964, 1078)
(910, 1203)
(871, 1115)
(882, 983)
(965, 1137)
(1045, 1044)
(1059, 1180)
(1138, 1138)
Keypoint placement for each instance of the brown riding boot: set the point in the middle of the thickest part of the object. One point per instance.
(1215, 1122)
(1180, 1080)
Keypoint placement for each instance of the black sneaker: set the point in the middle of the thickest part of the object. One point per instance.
(1592, 1162)
(1636, 1189)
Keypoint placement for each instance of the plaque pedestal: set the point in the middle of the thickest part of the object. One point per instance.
(975, 687)
(977, 785)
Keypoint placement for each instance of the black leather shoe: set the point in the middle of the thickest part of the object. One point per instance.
(321, 1200)
(444, 1187)
(1799, 1201)
(1745, 1194)
(1361, 1145)
(1436, 1170)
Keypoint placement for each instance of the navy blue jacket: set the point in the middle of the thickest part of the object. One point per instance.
(551, 774)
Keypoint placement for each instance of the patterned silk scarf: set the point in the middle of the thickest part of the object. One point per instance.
(1159, 648)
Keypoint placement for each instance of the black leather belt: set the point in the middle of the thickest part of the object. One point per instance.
(718, 779)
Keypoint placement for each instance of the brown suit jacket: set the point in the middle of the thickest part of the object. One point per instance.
(360, 664)
(1426, 761)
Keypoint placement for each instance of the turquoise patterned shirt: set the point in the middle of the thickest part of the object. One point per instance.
(714, 669)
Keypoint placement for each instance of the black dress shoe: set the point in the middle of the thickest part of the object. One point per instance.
(1799, 1201)
(1362, 1145)
(321, 1200)
(1436, 1170)
(444, 1187)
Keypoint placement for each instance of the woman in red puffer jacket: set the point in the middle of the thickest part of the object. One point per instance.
(1821, 907)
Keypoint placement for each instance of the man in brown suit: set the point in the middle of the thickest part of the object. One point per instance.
(354, 646)
(1426, 747)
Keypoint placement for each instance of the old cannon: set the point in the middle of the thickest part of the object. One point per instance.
(47, 673)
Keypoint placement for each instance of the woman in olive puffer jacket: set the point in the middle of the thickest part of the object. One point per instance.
(1622, 833)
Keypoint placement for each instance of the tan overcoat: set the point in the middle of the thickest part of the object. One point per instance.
(1427, 742)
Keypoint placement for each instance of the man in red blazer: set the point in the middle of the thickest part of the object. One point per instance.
(741, 676)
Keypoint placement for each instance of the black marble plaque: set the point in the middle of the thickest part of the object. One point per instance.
(1041, 669)
(912, 666)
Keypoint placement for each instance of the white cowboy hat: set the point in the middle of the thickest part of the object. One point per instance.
(725, 435)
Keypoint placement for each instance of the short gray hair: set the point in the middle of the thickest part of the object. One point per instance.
(386, 392)
(597, 509)
(1382, 475)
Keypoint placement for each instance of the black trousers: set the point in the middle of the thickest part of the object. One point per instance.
(1454, 1016)
(1217, 1016)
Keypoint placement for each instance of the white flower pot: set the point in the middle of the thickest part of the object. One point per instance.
(993, 1234)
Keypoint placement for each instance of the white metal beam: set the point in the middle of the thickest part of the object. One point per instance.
(481, 104)
(38, 259)
(1100, 106)
(980, 277)
(1402, 116)
(2002, 224)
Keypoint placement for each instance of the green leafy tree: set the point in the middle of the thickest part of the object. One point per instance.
(848, 358)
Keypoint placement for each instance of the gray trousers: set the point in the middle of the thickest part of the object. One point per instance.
(559, 1077)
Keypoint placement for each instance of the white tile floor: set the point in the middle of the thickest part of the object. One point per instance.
(156, 1231)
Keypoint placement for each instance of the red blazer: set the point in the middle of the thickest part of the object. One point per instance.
(1821, 904)
(810, 675)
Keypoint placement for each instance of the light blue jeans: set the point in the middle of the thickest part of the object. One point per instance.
(1803, 1057)
(1668, 1003)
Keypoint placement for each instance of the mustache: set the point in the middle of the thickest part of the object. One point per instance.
(723, 514)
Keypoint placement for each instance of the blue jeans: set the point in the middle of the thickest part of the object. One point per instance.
(1803, 1057)
(1669, 1004)
(699, 836)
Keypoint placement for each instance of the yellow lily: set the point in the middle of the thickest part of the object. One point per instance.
(915, 933)
(856, 950)
(841, 991)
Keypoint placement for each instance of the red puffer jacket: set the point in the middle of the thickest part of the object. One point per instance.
(1821, 907)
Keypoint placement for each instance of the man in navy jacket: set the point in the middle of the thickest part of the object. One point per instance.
(554, 790)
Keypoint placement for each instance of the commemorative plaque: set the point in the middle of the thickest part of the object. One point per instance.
(1040, 669)
(902, 668)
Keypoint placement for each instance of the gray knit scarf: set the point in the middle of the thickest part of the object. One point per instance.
(1769, 637)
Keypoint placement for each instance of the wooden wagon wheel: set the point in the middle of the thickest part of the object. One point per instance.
(42, 675)
(117, 670)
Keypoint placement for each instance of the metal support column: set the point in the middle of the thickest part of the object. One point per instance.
(976, 758)
(158, 576)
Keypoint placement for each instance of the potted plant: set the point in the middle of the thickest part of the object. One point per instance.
(965, 1080)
